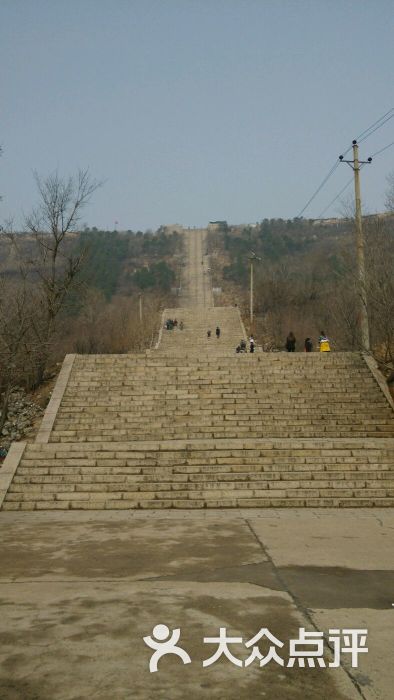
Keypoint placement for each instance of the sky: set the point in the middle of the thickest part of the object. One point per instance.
(194, 110)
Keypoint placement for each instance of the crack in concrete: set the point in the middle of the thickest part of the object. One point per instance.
(300, 607)
(188, 576)
(223, 573)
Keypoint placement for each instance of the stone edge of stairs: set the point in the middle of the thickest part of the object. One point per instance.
(377, 375)
(9, 468)
(52, 409)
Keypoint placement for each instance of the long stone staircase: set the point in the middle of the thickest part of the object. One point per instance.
(192, 424)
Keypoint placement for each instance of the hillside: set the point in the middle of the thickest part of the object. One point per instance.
(105, 294)
(305, 279)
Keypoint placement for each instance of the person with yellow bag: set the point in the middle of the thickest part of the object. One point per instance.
(324, 343)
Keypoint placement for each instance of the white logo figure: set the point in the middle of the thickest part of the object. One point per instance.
(162, 647)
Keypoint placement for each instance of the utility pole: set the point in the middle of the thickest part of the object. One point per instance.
(364, 324)
(251, 295)
(252, 258)
(140, 305)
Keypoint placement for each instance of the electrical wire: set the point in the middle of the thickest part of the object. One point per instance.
(362, 137)
(363, 133)
(372, 128)
(382, 149)
(331, 171)
(376, 128)
(377, 153)
(335, 198)
(339, 193)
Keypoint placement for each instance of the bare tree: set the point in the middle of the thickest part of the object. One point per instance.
(18, 352)
(115, 326)
(55, 265)
(342, 305)
(389, 202)
(380, 289)
(346, 208)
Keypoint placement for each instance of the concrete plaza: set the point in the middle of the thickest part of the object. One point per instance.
(80, 590)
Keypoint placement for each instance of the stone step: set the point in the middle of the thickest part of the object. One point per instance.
(225, 502)
(259, 473)
(203, 493)
(210, 432)
(52, 488)
(108, 475)
(232, 414)
(341, 446)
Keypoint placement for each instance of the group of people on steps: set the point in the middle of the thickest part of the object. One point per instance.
(324, 343)
(242, 343)
(172, 323)
(217, 332)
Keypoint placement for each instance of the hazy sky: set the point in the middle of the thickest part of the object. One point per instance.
(193, 110)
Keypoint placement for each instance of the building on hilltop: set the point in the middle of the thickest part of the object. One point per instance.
(217, 225)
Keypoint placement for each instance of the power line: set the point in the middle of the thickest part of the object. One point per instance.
(351, 180)
(367, 132)
(377, 153)
(383, 149)
(339, 193)
(331, 171)
(335, 198)
(376, 128)
(362, 137)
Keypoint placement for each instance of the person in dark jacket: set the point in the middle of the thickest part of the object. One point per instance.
(308, 345)
(290, 342)
(217, 332)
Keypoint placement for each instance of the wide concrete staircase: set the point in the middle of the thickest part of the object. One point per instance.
(161, 397)
(192, 424)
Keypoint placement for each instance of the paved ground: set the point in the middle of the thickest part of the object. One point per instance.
(78, 591)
